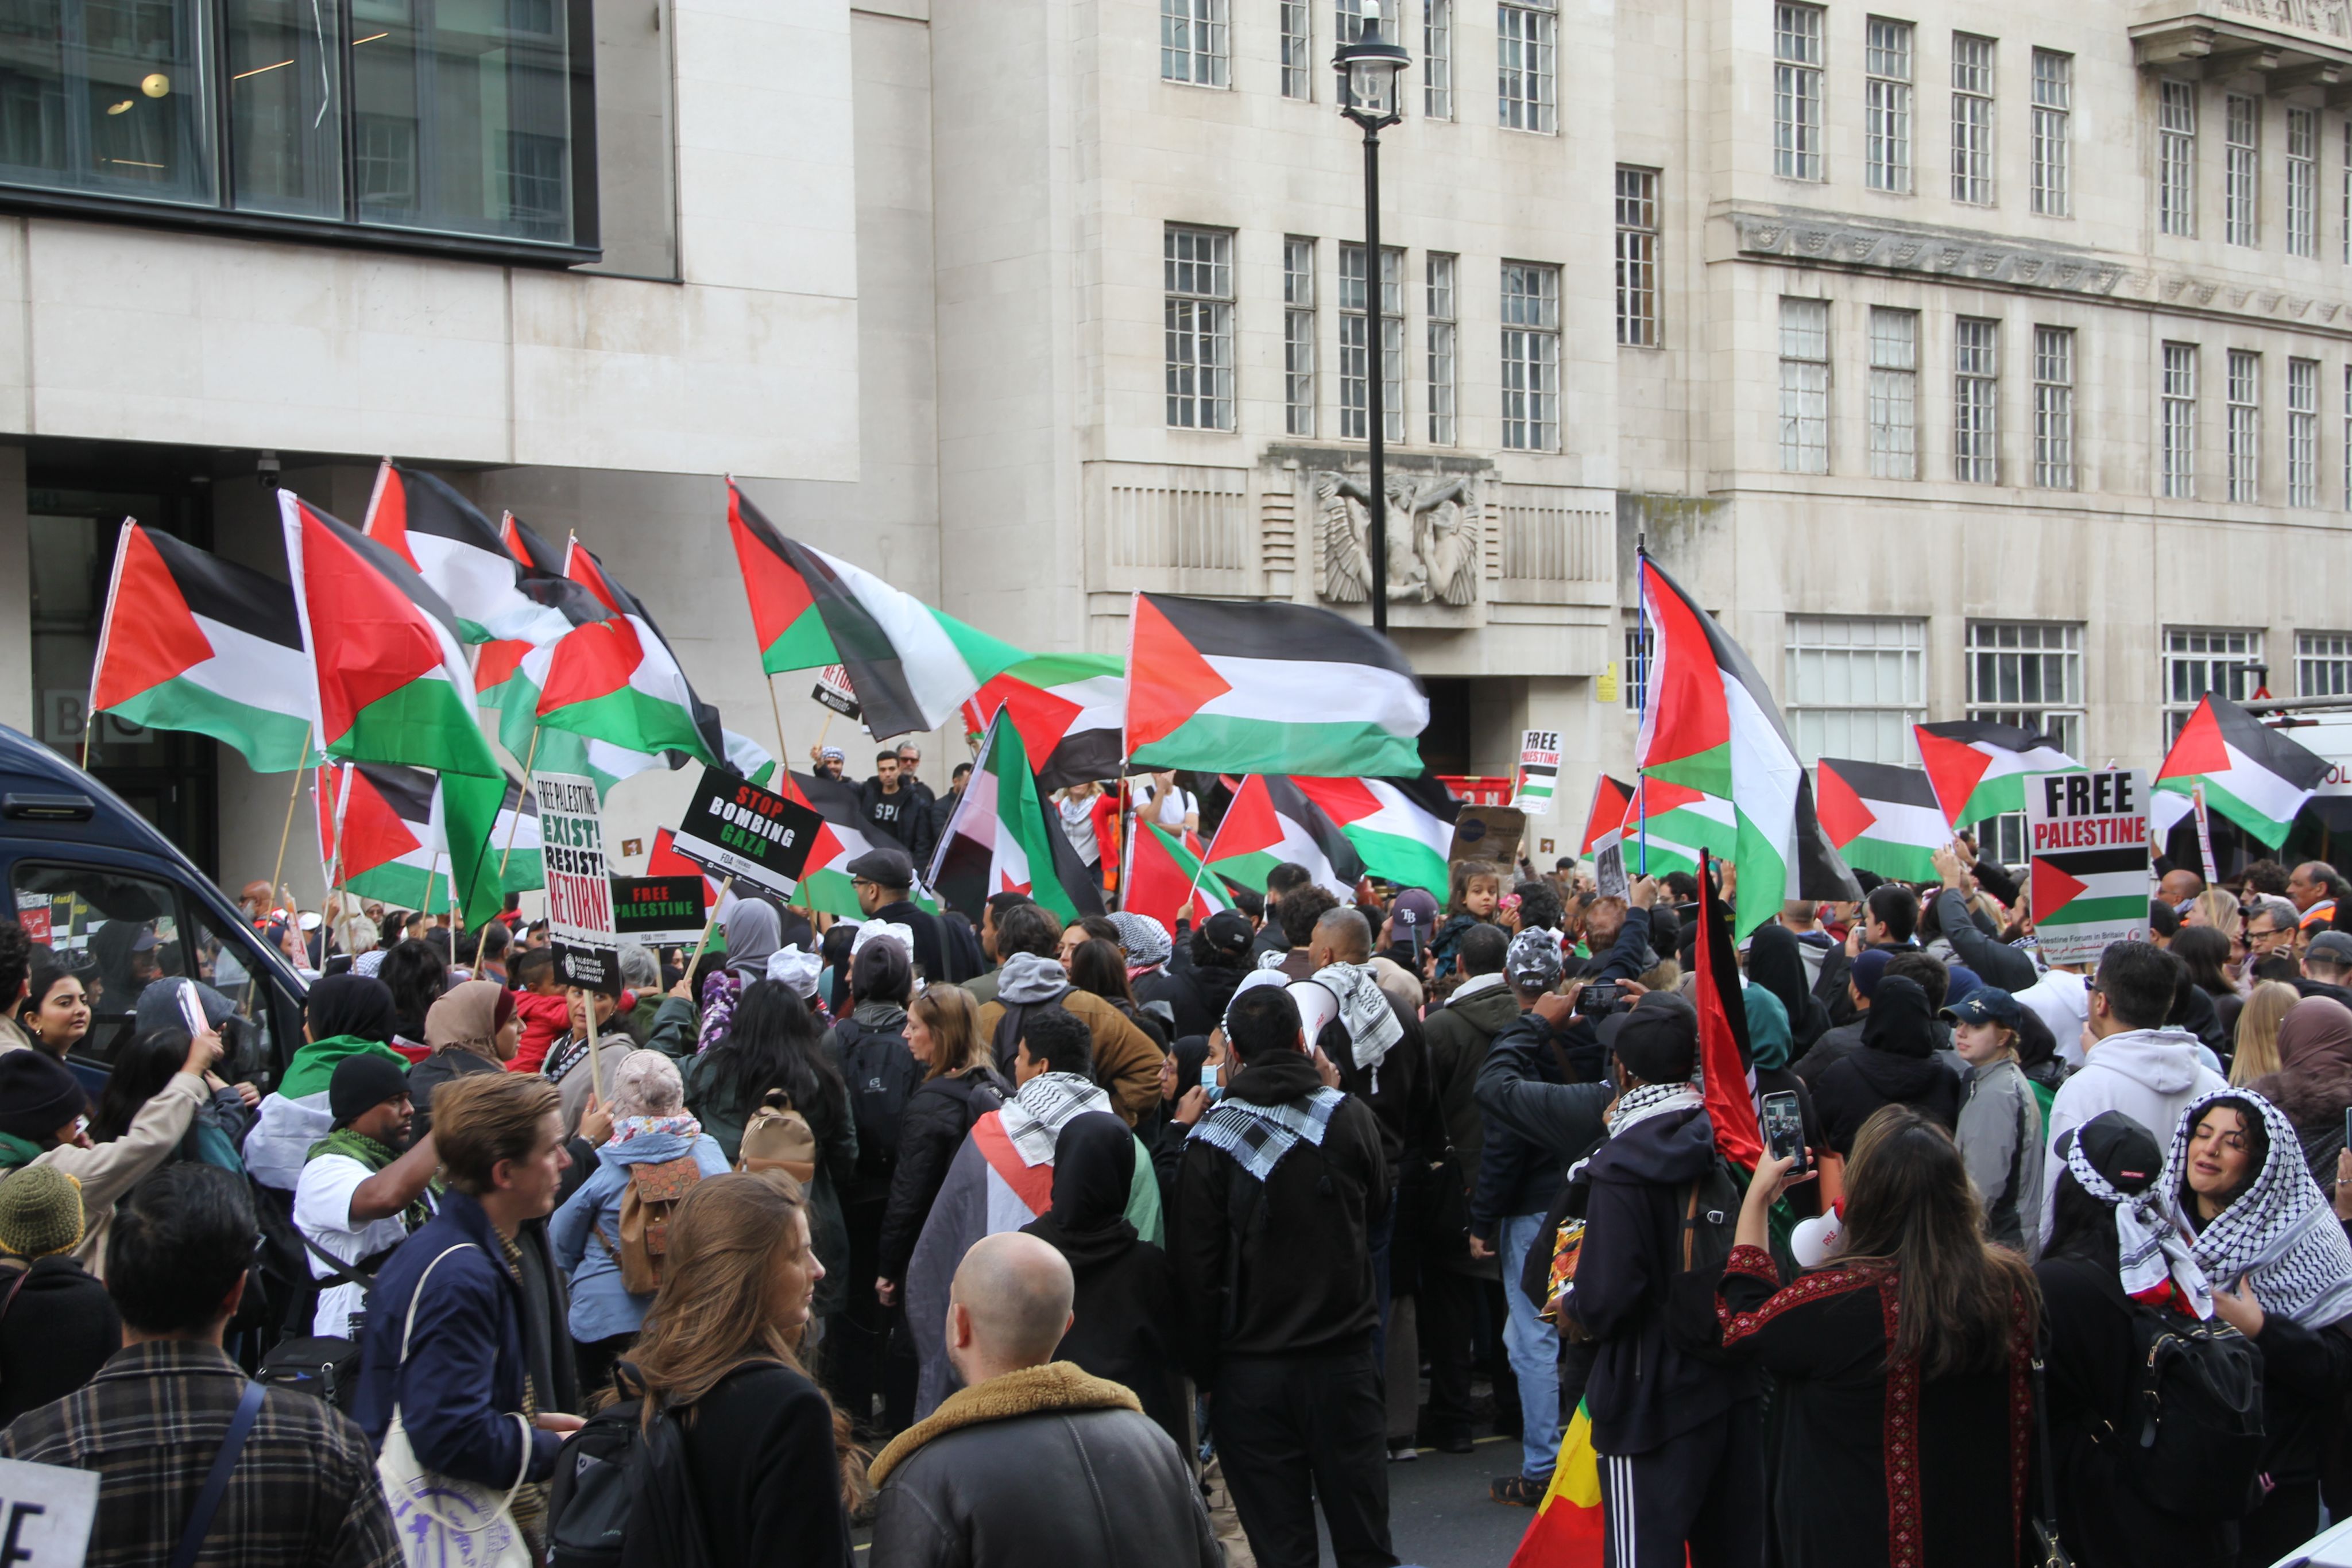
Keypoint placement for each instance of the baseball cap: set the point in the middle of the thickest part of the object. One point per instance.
(146, 941)
(1658, 1043)
(1414, 907)
(1228, 931)
(2333, 946)
(1986, 1004)
(1533, 958)
(2118, 1148)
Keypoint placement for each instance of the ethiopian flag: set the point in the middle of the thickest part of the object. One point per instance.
(1068, 708)
(2253, 775)
(1272, 820)
(1401, 828)
(1882, 819)
(1568, 1531)
(192, 641)
(1006, 837)
(1979, 768)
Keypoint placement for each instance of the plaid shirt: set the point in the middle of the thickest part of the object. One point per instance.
(304, 1493)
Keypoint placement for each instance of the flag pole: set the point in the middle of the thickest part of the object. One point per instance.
(286, 831)
(432, 870)
(530, 755)
(711, 921)
(1642, 701)
(2204, 833)
(783, 750)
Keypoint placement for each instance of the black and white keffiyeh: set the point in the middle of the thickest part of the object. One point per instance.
(1371, 1024)
(2158, 1252)
(1653, 1100)
(1258, 1136)
(2280, 1235)
(1034, 1117)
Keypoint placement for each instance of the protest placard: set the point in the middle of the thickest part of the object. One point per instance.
(579, 882)
(2087, 833)
(660, 911)
(738, 830)
(1539, 771)
(45, 1512)
(834, 690)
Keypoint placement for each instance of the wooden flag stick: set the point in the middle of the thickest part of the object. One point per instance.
(286, 831)
(710, 924)
(482, 944)
(784, 751)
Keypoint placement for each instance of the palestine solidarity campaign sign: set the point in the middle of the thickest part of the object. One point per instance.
(578, 883)
(736, 830)
(2089, 837)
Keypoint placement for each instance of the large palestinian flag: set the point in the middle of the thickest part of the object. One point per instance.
(1229, 687)
(1666, 826)
(1164, 874)
(910, 664)
(1711, 726)
(1068, 708)
(1270, 820)
(2252, 774)
(1005, 836)
(192, 641)
(1979, 768)
(617, 680)
(827, 884)
(381, 831)
(455, 547)
(1401, 828)
(1883, 820)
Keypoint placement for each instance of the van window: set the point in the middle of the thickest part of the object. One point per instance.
(120, 932)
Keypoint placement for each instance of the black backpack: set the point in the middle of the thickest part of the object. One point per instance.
(624, 1492)
(882, 1076)
(1708, 1218)
(1007, 1040)
(2191, 1441)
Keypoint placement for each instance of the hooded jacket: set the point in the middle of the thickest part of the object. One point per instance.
(1896, 1066)
(1126, 1065)
(939, 1114)
(2000, 1140)
(1458, 1036)
(587, 1228)
(2148, 1074)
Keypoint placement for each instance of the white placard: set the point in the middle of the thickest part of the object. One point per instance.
(45, 1512)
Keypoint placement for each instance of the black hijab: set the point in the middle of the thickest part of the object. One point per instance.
(1775, 964)
(350, 1004)
(1899, 1021)
(1094, 1172)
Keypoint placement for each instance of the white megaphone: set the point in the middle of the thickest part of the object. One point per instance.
(1317, 1004)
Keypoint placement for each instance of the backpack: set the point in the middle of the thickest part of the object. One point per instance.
(655, 1190)
(882, 1076)
(1702, 1235)
(624, 1492)
(2191, 1441)
(1008, 1028)
(778, 1138)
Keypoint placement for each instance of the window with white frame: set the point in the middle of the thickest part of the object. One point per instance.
(2347, 191)
(2244, 397)
(1198, 265)
(2347, 438)
(1637, 256)
(1976, 399)
(2303, 432)
(1886, 124)
(2053, 130)
(1530, 358)
(1349, 17)
(1894, 394)
(1796, 59)
(2054, 407)
(1805, 386)
(1972, 151)
(2198, 659)
(2242, 170)
(2302, 182)
(1855, 685)
(2027, 673)
(1441, 310)
(2176, 159)
(1193, 42)
(1437, 59)
(1526, 40)
(1293, 19)
(2323, 665)
(1641, 642)
(1355, 345)
(1298, 336)
(2176, 435)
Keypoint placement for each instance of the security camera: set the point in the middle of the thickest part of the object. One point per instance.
(264, 471)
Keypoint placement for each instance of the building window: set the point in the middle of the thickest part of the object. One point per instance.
(1894, 394)
(2242, 170)
(1972, 60)
(2347, 191)
(2054, 407)
(2244, 394)
(1531, 357)
(1298, 336)
(2176, 159)
(2179, 437)
(2029, 675)
(2197, 660)
(1355, 346)
(1298, 47)
(1855, 685)
(1637, 256)
(2303, 432)
(1805, 386)
(1641, 642)
(1437, 58)
(2348, 437)
(1198, 265)
(2053, 115)
(1525, 38)
(2302, 182)
(2323, 665)
(1192, 42)
(1887, 134)
(1441, 311)
(1797, 91)
(1976, 399)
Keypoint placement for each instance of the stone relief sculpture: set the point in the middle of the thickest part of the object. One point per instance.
(1432, 537)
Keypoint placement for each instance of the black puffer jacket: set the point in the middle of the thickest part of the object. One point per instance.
(939, 1114)
(1897, 1065)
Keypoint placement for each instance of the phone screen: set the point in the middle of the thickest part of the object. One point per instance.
(1784, 1126)
(192, 1008)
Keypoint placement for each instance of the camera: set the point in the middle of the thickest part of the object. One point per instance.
(264, 471)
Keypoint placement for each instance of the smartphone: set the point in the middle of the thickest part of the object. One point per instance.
(191, 1008)
(1599, 999)
(1784, 1128)
(2347, 1126)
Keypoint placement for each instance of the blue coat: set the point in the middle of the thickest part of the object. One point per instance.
(600, 1307)
(462, 1384)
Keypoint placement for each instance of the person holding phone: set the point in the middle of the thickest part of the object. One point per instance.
(2000, 1117)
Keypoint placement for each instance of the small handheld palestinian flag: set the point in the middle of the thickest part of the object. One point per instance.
(1979, 768)
(1270, 820)
(1606, 820)
(192, 641)
(425, 522)
(1164, 874)
(1006, 837)
(1401, 828)
(1668, 827)
(1068, 708)
(1267, 688)
(2253, 775)
(1883, 820)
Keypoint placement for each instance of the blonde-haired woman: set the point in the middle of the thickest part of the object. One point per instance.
(961, 1084)
(2214, 908)
(2257, 1054)
(774, 1471)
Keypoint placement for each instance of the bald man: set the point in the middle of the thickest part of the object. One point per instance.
(2179, 888)
(1033, 1460)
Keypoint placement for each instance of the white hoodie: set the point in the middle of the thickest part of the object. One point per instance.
(2148, 1074)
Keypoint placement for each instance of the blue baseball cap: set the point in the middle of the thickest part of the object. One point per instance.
(1986, 1004)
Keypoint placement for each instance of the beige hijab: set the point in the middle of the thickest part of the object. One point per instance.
(467, 1017)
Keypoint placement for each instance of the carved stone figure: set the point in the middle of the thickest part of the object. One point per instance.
(1432, 537)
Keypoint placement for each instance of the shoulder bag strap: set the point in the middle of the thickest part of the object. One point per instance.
(408, 1328)
(16, 1285)
(200, 1520)
(348, 1273)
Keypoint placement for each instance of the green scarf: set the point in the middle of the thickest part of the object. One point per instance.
(16, 1151)
(314, 1067)
(359, 1146)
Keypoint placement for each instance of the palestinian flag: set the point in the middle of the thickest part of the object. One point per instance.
(1724, 1051)
(1979, 768)
(617, 680)
(1267, 688)
(521, 862)
(1164, 874)
(2253, 775)
(1667, 827)
(2091, 887)
(747, 758)
(297, 1114)
(1883, 819)
(1005, 836)
(1711, 726)
(1068, 708)
(192, 641)
(827, 884)
(1401, 828)
(420, 519)
(1569, 1529)
(910, 664)
(382, 830)
(665, 860)
(1271, 819)
(1606, 820)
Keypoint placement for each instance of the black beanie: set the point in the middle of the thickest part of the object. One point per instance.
(362, 1083)
(38, 1094)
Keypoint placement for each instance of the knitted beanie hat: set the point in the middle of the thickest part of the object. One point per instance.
(40, 1212)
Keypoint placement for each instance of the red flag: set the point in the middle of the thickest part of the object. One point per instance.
(1724, 1052)
(665, 861)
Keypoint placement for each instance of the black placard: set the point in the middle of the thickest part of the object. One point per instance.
(734, 828)
(660, 911)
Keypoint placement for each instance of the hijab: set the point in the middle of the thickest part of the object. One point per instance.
(2279, 1233)
(469, 1017)
(753, 932)
(355, 1005)
(1899, 1021)
(1775, 963)
(1094, 1175)
(2313, 1083)
(1767, 1028)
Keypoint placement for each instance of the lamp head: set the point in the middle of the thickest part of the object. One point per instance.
(1369, 69)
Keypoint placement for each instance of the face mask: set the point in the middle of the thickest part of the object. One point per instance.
(1209, 1083)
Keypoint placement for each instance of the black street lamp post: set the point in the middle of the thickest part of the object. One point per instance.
(1367, 69)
